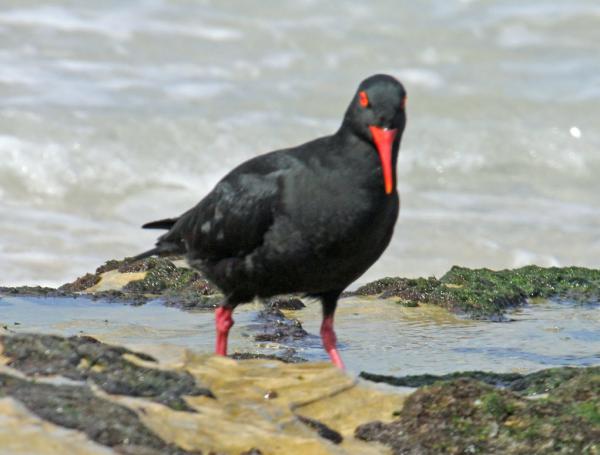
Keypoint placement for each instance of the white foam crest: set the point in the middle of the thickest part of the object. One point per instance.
(113, 25)
(196, 90)
(198, 30)
(35, 166)
(517, 35)
(18, 75)
(548, 12)
(116, 23)
(52, 170)
(422, 77)
(280, 60)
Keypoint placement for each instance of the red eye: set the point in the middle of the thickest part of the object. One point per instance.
(363, 99)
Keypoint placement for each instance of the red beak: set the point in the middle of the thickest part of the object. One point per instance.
(384, 140)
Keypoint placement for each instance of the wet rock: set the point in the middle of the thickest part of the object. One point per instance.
(84, 358)
(288, 356)
(131, 265)
(323, 430)
(82, 283)
(33, 291)
(408, 303)
(486, 293)
(112, 264)
(180, 287)
(285, 303)
(115, 296)
(469, 416)
(420, 380)
(275, 326)
(480, 293)
(191, 300)
(163, 275)
(542, 381)
(76, 407)
(176, 286)
(318, 392)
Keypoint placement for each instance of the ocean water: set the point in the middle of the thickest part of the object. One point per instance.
(374, 335)
(116, 113)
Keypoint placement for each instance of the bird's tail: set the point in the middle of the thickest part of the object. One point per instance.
(168, 244)
(167, 223)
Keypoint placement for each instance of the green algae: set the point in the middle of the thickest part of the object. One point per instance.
(480, 293)
(322, 430)
(33, 291)
(86, 359)
(82, 283)
(487, 293)
(539, 382)
(468, 416)
(285, 303)
(420, 380)
(274, 326)
(162, 274)
(175, 286)
(287, 356)
(408, 303)
(130, 264)
(76, 407)
(496, 405)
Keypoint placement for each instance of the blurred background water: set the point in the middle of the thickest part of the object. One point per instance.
(115, 113)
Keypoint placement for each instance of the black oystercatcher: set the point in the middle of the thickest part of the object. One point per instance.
(309, 219)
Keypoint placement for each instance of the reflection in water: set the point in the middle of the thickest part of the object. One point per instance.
(375, 335)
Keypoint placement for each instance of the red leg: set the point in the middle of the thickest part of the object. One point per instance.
(223, 322)
(329, 342)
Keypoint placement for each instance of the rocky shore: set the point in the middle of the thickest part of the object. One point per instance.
(127, 402)
(76, 394)
(477, 293)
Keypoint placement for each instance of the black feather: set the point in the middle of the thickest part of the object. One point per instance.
(307, 219)
(167, 223)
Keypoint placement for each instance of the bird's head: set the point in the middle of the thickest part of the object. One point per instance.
(377, 115)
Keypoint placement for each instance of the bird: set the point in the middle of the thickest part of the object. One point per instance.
(306, 220)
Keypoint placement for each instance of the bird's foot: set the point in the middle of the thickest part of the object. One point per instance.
(223, 322)
(334, 355)
(330, 341)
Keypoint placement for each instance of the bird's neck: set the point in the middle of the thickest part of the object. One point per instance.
(362, 154)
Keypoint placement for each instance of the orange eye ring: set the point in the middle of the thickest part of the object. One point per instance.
(363, 99)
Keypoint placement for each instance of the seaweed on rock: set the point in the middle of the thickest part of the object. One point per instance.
(464, 415)
(487, 293)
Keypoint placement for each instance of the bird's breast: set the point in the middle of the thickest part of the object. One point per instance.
(340, 208)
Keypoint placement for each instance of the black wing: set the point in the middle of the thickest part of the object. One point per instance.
(232, 220)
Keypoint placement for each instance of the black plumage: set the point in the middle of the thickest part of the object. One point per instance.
(309, 219)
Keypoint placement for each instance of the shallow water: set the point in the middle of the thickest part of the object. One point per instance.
(115, 113)
(374, 335)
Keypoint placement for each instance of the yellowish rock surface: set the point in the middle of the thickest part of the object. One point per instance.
(21, 432)
(115, 280)
(257, 403)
